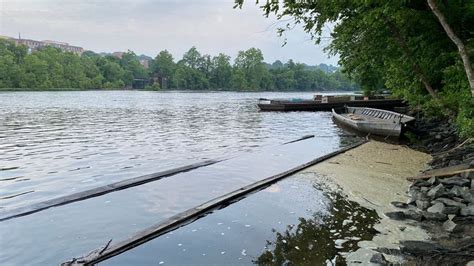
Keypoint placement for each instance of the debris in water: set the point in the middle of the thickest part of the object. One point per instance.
(222, 252)
(244, 252)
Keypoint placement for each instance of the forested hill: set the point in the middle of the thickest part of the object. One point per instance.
(49, 67)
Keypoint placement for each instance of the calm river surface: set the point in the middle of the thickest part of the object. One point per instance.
(57, 143)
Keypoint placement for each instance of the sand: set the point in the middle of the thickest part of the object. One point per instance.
(373, 175)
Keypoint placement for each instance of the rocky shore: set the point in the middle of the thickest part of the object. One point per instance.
(423, 193)
(441, 199)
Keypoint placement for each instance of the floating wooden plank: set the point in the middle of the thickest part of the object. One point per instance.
(95, 192)
(190, 215)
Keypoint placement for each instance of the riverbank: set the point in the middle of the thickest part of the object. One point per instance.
(428, 219)
(374, 175)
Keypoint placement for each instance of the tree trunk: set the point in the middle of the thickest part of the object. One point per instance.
(416, 68)
(457, 41)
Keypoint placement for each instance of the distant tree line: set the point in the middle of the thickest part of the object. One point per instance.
(50, 67)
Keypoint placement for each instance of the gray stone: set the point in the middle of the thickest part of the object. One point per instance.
(435, 216)
(399, 204)
(436, 192)
(378, 258)
(467, 211)
(457, 191)
(451, 210)
(433, 180)
(455, 181)
(450, 202)
(421, 183)
(396, 215)
(413, 215)
(424, 189)
(438, 207)
(422, 204)
(418, 247)
(468, 195)
(469, 175)
(449, 225)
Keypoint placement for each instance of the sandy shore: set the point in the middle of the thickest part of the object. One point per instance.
(374, 175)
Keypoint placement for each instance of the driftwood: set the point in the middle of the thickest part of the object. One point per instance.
(191, 215)
(443, 172)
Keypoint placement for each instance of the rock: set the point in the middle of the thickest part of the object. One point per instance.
(450, 202)
(399, 204)
(468, 195)
(424, 190)
(422, 204)
(438, 137)
(469, 175)
(378, 258)
(396, 215)
(451, 210)
(413, 215)
(449, 225)
(436, 192)
(457, 191)
(455, 181)
(433, 180)
(421, 183)
(436, 208)
(418, 247)
(435, 216)
(467, 211)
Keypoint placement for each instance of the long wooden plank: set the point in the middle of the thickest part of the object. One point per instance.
(102, 190)
(440, 174)
(190, 215)
(95, 192)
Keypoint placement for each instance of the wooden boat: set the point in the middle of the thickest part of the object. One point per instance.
(316, 105)
(373, 121)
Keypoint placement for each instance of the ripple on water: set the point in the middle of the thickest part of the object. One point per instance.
(58, 140)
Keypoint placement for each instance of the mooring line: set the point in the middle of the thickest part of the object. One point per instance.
(191, 215)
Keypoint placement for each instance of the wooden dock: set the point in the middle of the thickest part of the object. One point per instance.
(310, 105)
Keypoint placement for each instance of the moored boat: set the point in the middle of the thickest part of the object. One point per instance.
(327, 103)
(373, 121)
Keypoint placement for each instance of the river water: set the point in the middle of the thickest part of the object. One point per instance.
(57, 143)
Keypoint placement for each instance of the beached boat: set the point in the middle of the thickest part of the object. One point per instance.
(373, 121)
(327, 103)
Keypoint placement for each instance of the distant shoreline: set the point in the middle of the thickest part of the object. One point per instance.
(167, 90)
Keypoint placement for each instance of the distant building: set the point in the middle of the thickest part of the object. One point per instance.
(119, 55)
(145, 63)
(35, 45)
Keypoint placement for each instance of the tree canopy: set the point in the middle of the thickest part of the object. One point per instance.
(52, 68)
(402, 46)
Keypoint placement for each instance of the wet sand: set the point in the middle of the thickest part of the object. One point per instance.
(374, 175)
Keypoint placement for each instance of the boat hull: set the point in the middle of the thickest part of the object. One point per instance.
(288, 106)
(383, 123)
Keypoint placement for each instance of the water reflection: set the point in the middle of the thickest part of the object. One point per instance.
(289, 223)
(320, 240)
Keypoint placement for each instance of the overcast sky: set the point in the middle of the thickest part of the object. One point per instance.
(149, 26)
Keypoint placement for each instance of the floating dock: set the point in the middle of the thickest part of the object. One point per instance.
(312, 105)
